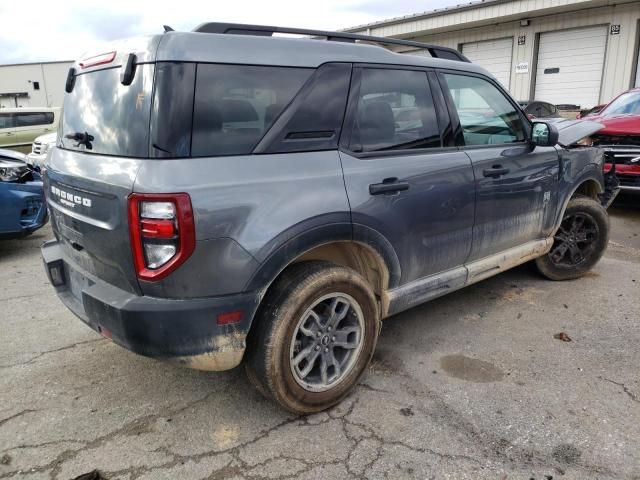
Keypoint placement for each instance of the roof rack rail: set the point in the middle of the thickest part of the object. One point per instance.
(267, 31)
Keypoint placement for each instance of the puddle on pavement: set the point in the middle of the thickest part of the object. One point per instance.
(470, 369)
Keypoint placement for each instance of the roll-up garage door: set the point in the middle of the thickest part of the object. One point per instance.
(494, 55)
(569, 69)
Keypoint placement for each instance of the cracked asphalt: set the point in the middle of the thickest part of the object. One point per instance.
(470, 386)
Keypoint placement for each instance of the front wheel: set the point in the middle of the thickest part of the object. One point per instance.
(579, 243)
(315, 336)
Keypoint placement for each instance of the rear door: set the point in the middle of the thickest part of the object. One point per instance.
(404, 177)
(515, 184)
(104, 138)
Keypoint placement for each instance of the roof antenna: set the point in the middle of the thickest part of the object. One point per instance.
(167, 28)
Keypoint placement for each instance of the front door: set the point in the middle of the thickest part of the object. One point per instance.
(516, 184)
(401, 180)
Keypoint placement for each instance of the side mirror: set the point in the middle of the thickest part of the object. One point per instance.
(544, 134)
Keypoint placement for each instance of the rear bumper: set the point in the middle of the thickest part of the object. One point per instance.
(182, 331)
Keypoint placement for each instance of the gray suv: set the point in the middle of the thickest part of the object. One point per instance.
(226, 194)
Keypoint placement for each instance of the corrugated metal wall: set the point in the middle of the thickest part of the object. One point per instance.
(20, 78)
(619, 66)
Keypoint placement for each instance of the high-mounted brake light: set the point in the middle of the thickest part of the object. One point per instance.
(162, 233)
(101, 59)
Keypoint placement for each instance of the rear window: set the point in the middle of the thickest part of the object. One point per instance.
(103, 116)
(395, 111)
(236, 104)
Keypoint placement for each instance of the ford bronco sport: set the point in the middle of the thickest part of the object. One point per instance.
(226, 194)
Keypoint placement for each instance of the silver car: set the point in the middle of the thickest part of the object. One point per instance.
(40, 148)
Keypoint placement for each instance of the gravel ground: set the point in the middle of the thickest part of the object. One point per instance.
(473, 385)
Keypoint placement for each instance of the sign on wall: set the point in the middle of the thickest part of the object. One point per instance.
(522, 39)
(522, 67)
(615, 29)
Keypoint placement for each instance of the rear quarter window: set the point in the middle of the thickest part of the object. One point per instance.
(236, 104)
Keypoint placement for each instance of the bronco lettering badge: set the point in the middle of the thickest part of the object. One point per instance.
(69, 199)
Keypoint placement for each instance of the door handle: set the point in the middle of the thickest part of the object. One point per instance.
(388, 185)
(495, 171)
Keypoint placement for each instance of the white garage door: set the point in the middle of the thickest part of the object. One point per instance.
(494, 55)
(569, 66)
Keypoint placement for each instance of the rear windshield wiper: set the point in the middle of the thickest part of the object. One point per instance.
(82, 139)
(161, 149)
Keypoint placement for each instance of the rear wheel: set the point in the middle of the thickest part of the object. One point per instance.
(579, 243)
(316, 333)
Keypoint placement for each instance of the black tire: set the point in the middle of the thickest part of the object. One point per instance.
(579, 243)
(272, 342)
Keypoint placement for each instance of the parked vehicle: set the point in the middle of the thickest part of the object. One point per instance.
(22, 206)
(20, 126)
(538, 109)
(39, 149)
(590, 111)
(273, 199)
(620, 137)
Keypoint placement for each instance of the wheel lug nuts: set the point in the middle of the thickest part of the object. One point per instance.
(317, 347)
(318, 334)
(333, 339)
(326, 350)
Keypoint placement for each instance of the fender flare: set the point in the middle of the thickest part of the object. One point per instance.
(294, 247)
(589, 173)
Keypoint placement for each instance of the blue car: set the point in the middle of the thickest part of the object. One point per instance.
(23, 209)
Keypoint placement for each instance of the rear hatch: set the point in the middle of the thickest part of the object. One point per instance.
(103, 138)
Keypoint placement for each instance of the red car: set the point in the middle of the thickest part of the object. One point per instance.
(620, 137)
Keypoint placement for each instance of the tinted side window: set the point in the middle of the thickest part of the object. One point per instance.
(172, 110)
(6, 120)
(486, 116)
(535, 109)
(33, 119)
(236, 104)
(394, 111)
(547, 109)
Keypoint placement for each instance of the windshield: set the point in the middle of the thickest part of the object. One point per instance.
(105, 117)
(627, 103)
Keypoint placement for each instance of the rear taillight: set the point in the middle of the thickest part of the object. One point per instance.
(162, 232)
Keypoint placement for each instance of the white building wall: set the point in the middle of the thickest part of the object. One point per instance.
(19, 78)
(620, 57)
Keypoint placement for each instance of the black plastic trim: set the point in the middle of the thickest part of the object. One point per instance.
(314, 118)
